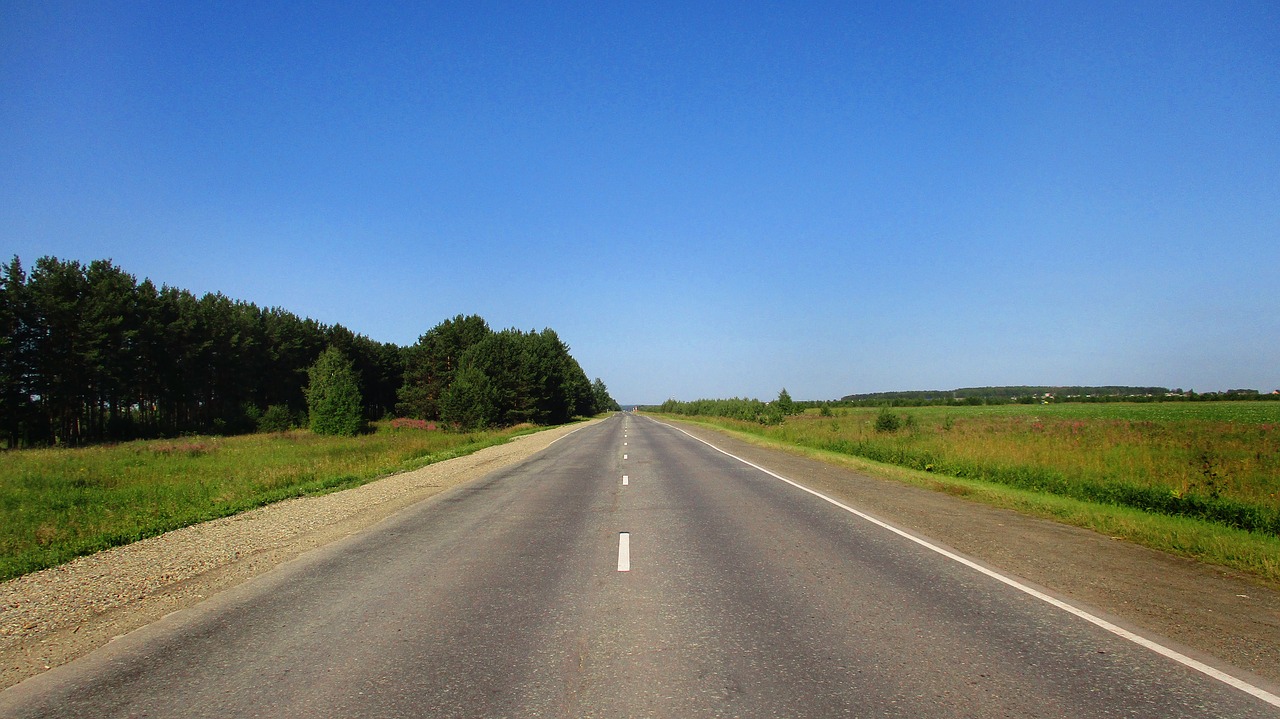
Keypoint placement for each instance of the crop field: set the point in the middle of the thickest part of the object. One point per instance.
(56, 504)
(1212, 462)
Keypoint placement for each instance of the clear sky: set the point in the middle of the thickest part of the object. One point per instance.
(702, 199)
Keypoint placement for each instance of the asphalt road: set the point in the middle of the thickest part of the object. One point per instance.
(742, 596)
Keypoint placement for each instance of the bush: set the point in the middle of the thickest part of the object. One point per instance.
(887, 421)
(277, 418)
(772, 414)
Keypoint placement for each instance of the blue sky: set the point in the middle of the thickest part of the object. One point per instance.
(704, 200)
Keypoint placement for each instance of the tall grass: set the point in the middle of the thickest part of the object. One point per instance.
(56, 504)
(1201, 480)
(1218, 462)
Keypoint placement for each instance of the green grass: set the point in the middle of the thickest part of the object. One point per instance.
(1198, 479)
(57, 504)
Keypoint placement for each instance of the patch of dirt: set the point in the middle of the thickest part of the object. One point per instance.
(1202, 610)
(51, 617)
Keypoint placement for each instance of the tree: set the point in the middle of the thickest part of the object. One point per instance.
(600, 398)
(527, 377)
(785, 404)
(333, 395)
(61, 356)
(15, 356)
(431, 363)
(89, 354)
(579, 399)
(111, 332)
(549, 386)
(469, 401)
(501, 359)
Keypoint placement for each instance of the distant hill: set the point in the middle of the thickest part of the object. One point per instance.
(1011, 392)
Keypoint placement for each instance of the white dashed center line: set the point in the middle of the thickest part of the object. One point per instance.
(625, 480)
(624, 551)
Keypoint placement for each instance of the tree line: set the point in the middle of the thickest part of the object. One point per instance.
(465, 373)
(89, 354)
(746, 409)
(1043, 394)
(1011, 393)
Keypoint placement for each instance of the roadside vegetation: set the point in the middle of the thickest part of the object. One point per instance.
(89, 354)
(1200, 479)
(126, 408)
(57, 504)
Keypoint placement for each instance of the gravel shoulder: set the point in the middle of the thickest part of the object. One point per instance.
(51, 617)
(1201, 610)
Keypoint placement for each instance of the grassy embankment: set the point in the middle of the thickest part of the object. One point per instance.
(1197, 479)
(57, 504)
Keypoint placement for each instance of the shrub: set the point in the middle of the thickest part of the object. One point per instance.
(772, 414)
(277, 418)
(887, 421)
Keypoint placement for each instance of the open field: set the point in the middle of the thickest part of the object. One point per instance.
(1208, 474)
(56, 504)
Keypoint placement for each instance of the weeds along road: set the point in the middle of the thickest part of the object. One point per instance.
(628, 570)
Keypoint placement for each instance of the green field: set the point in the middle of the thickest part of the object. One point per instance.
(56, 504)
(1216, 464)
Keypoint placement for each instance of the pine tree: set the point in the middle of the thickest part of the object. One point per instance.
(333, 396)
(469, 401)
(16, 406)
(601, 399)
(785, 404)
(430, 364)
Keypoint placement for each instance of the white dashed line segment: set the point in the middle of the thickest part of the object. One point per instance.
(624, 551)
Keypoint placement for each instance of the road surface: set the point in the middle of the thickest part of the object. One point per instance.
(629, 570)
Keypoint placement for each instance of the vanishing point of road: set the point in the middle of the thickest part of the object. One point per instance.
(631, 570)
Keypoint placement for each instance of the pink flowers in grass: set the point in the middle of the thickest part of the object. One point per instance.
(406, 423)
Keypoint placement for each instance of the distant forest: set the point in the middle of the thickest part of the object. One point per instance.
(1023, 393)
(89, 354)
(754, 410)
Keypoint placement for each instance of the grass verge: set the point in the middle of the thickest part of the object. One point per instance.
(1256, 554)
(58, 504)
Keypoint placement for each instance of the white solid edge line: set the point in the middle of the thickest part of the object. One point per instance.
(624, 551)
(566, 434)
(1160, 649)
